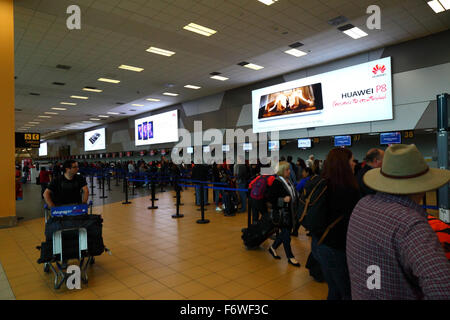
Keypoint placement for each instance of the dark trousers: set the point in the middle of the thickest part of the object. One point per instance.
(197, 195)
(334, 268)
(284, 237)
(258, 207)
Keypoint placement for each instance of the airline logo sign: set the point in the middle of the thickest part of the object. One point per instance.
(69, 210)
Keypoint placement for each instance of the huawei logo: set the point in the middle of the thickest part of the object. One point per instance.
(377, 68)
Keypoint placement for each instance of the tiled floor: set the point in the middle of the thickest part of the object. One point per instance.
(157, 257)
(5, 289)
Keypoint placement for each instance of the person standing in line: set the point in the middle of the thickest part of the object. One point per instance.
(310, 161)
(329, 248)
(373, 159)
(240, 173)
(283, 189)
(44, 180)
(389, 234)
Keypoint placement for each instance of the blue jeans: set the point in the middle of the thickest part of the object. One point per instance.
(284, 237)
(216, 195)
(243, 196)
(335, 271)
(197, 195)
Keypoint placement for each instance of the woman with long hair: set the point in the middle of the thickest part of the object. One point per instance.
(342, 196)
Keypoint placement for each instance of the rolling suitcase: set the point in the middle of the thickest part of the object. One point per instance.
(258, 233)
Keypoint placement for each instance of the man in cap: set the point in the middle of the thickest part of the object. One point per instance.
(392, 252)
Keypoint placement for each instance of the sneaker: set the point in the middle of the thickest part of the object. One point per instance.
(219, 209)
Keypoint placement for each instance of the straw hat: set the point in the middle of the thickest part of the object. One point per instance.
(405, 171)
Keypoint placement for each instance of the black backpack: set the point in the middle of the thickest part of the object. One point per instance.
(313, 208)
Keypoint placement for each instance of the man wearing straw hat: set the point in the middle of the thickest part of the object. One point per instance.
(392, 252)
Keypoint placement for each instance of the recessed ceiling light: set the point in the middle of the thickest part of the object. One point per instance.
(159, 51)
(95, 119)
(102, 116)
(108, 80)
(204, 31)
(87, 121)
(32, 122)
(137, 105)
(189, 86)
(153, 100)
(268, 2)
(68, 103)
(439, 5)
(217, 77)
(296, 53)
(250, 66)
(92, 89)
(114, 113)
(61, 109)
(130, 68)
(170, 94)
(79, 97)
(59, 83)
(44, 116)
(51, 112)
(352, 31)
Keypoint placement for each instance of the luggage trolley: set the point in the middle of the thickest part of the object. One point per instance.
(58, 254)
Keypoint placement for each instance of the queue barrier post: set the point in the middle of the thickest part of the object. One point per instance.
(92, 185)
(125, 186)
(202, 206)
(177, 215)
(153, 196)
(108, 179)
(249, 210)
(103, 187)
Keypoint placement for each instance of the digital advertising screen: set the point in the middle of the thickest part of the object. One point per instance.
(390, 138)
(160, 128)
(43, 149)
(355, 94)
(95, 140)
(342, 141)
(274, 145)
(304, 143)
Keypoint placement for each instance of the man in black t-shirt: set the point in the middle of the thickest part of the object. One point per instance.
(69, 188)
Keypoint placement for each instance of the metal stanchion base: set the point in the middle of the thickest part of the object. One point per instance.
(205, 221)
(152, 207)
(175, 216)
(127, 202)
(92, 194)
(201, 209)
(103, 197)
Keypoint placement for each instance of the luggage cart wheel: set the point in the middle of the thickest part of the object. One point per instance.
(84, 279)
(92, 261)
(46, 268)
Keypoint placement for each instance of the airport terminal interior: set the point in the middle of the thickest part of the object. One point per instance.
(165, 111)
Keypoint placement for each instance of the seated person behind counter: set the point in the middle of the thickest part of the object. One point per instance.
(69, 188)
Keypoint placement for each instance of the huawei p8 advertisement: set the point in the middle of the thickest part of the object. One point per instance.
(161, 128)
(355, 94)
(95, 140)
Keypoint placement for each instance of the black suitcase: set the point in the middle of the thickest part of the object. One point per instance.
(258, 233)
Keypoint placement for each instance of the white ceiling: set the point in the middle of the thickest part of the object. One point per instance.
(115, 32)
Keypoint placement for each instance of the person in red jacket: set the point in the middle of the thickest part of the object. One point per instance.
(258, 188)
(44, 180)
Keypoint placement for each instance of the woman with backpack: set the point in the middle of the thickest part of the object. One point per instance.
(330, 231)
(283, 198)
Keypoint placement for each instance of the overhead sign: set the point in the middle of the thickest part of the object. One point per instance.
(342, 141)
(28, 140)
(390, 138)
(355, 94)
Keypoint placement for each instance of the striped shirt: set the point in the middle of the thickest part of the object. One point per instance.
(392, 233)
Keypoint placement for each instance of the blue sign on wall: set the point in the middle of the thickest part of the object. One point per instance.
(390, 138)
(342, 141)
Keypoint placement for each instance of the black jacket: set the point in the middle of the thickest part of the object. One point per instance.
(341, 201)
(276, 191)
(364, 190)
